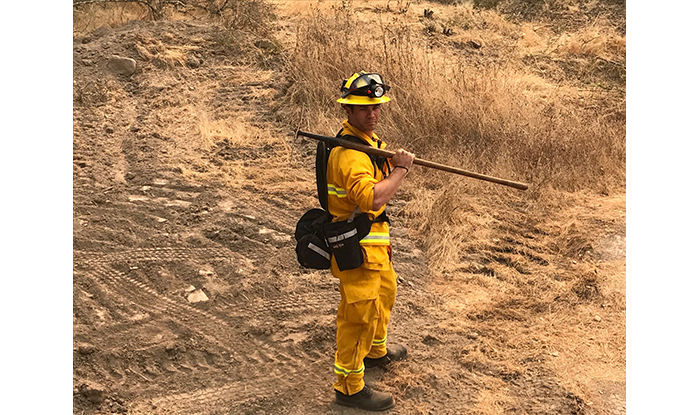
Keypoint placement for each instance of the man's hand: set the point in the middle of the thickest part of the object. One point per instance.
(403, 158)
(385, 189)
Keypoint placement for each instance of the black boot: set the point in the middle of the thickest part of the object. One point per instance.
(367, 399)
(393, 354)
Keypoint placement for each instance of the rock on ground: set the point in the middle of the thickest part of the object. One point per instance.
(122, 66)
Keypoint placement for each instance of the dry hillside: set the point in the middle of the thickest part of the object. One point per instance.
(188, 182)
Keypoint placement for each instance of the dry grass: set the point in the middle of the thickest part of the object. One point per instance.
(450, 225)
(501, 119)
(599, 40)
(580, 338)
(252, 15)
(163, 55)
(227, 141)
(89, 17)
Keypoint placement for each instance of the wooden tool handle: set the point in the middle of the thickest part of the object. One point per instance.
(389, 154)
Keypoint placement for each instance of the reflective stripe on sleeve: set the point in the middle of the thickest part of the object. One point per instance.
(376, 238)
(336, 191)
(342, 371)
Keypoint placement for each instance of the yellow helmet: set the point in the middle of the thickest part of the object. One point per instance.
(364, 89)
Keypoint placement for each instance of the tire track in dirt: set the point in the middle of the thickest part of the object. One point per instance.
(292, 303)
(206, 401)
(131, 359)
(158, 254)
(231, 395)
(134, 331)
(201, 322)
(151, 301)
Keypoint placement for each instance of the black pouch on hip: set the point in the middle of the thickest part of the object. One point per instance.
(344, 241)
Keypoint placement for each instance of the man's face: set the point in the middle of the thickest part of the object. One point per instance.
(363, 117)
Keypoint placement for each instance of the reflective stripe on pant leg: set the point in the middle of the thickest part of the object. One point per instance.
(356, 325)
(344, 372)
(381, 342)
(387, 297)
(356, 321)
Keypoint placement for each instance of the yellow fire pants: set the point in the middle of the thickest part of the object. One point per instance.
(367, 296)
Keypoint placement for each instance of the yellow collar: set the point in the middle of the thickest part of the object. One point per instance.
(357, 133)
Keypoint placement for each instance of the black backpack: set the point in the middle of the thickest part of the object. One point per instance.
(314, 230)
(312, 248)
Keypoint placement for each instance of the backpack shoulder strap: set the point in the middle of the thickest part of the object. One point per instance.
(377, 161)
(323, 152)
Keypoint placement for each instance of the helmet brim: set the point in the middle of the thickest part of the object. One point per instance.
(360, 100)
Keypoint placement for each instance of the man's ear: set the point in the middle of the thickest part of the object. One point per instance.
(348, 108)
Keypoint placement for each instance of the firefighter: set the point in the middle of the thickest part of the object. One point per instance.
(358, 184)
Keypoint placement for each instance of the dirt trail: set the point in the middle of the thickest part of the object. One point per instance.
(158, 220)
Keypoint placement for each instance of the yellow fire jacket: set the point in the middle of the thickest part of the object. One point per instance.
(351, 177)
